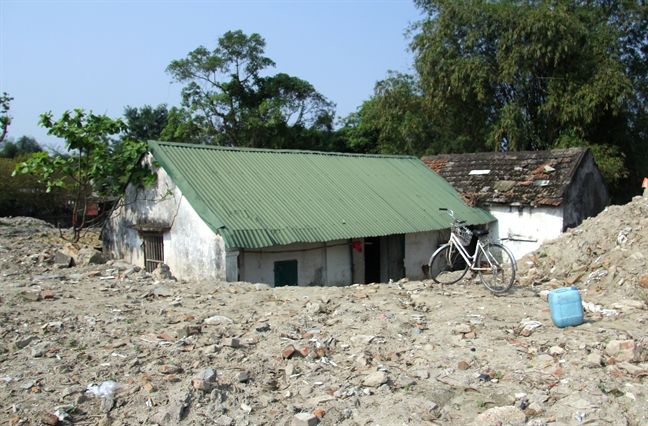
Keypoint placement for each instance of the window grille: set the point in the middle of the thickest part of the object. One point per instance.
(153, 251)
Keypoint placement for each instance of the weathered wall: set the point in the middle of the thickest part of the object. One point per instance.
(318, 264)
(587, 194)
(358, 263)
(523, 229)
(331, 266)
(418, 250)
(188, 238)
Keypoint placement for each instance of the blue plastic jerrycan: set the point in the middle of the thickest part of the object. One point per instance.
(566, 307)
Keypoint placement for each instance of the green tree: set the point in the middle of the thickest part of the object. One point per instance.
(23, 194)
(93, 166)
(145, 123)
(5, 118)
(233, 104)
(24, 145)
(393, 121)
(538, 74)
(181, 127)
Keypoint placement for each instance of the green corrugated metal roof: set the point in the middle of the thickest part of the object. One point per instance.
(258, 198)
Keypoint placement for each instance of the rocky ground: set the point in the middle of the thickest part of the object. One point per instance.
(102, 343)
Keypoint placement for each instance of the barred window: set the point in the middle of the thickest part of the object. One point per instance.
(153, 250)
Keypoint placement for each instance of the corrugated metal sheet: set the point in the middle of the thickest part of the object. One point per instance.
(258, 198)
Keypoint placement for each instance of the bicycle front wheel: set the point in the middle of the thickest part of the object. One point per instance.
(496, 268)
(446, 265)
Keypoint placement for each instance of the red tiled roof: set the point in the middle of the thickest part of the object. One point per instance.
(526, 177)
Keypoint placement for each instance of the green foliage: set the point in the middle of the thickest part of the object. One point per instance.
(24, 145)
(145, 123)
(229, 102)
(94, 166)
(526, 73)
(5, 118)
(359, 135)
(539, 74)
(24, 194)
(181, 127)
(393, 121)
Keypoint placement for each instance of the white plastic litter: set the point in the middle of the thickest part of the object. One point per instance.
(62, 415)
(596, 276)
(106, 390)
(217, 319)
(530, 324)
(621, 238)
(591, 307)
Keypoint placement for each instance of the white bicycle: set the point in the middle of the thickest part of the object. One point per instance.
(493, 261)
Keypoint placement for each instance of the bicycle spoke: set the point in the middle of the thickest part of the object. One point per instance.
(447, 266)
(497, 268)
(494, 262)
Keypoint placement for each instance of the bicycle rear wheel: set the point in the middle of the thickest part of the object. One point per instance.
(446, 265)
(499, 268)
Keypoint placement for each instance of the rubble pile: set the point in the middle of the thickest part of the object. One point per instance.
(87, 341)
(23, 223)
(605, 255)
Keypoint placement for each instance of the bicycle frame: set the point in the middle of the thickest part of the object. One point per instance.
(492, 260)
(470, 260)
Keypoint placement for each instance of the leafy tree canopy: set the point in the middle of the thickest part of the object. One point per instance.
(523, 74)
(227, 98)
(519, 75)
(145, 123)
(393, 121)
(24, 145)
(182, 127)
(94, 167)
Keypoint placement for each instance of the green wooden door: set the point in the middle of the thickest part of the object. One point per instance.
(285, 273)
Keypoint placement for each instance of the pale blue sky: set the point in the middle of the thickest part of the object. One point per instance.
(104, 55)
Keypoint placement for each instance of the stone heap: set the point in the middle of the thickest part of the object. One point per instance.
(86, 340)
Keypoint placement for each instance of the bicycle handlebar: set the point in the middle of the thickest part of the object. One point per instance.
(451, 213)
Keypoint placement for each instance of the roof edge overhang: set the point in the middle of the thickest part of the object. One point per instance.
(156, 144)
(487, 217)
(211, 220)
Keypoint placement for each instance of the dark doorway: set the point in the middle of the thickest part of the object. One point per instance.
(393, 257)
(285, 273)
(372, 260)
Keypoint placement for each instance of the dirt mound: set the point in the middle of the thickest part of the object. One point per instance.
(605, 255)
(24, 222)
(109, 344)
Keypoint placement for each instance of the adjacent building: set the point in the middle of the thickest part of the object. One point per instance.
(535, 195)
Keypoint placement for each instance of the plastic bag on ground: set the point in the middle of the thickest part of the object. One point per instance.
(106, 390)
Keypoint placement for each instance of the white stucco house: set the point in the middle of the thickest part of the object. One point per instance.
(535, 195)
(284, 217)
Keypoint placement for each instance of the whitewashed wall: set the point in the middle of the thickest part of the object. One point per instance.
(318, 264)
(418, 250)
(191, 250)
(331, 265)
(525, 229)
